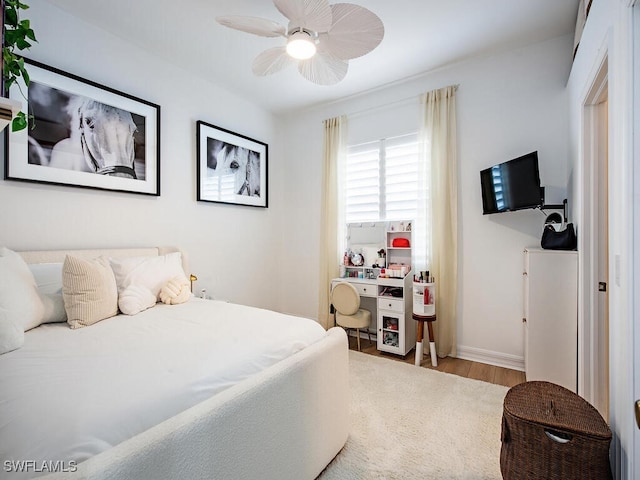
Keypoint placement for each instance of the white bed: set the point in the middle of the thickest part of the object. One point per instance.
(204, 389)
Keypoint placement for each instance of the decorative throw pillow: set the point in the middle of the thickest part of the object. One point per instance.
(135, 298)
(19, 298)
(149, 272)
(11, 335)
(89, 291)
(175, 291)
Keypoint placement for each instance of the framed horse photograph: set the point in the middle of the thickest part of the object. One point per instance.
(83, 134)
(231, 168)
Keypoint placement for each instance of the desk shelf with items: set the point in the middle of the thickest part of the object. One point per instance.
(424, 295)
(398, 244)
(350, 271)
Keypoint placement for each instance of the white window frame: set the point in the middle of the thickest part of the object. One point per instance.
(419, 215)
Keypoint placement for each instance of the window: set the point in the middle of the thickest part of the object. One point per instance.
(382, 184)
(382, 180)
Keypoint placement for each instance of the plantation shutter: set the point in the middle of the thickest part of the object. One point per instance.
(382, 180)
(362, 195)
(401, 177)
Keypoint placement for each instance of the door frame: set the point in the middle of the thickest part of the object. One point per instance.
(590, 336)
(635, 155)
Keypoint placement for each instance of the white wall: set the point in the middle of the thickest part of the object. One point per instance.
(609, 34)
(225, 243)
(508, 105)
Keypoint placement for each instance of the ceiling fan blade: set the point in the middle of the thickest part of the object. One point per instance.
(323, 69)
(271, 61)
(310, 14)
(254, 25)
(355, 31)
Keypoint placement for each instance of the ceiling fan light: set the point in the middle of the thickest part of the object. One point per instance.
(301, 46)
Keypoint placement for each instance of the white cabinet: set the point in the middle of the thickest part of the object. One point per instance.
(551, 316)
(396, 327)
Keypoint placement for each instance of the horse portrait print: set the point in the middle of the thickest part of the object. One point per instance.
(232, 168)
(242, 164)
(83, 134)
(78, 133)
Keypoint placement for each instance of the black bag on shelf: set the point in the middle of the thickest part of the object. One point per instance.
(562, 240)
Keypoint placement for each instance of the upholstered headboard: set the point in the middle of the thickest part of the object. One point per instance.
(57, 256)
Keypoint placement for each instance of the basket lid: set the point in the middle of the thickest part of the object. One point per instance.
(556, 407)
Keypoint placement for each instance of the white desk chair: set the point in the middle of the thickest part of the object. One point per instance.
(346, 302)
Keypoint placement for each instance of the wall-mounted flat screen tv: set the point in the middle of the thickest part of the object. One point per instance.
(512, 185)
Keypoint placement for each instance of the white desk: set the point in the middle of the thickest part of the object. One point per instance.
(395, 329)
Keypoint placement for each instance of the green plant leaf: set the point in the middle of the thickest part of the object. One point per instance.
(22, 44)
(10, 36)
(17, 36)
(19, 122)
(10, 16)
(25, 77)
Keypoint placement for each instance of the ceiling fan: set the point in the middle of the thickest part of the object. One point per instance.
(321, 38)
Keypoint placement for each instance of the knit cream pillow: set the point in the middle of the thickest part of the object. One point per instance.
(175, 291)
(89, 290)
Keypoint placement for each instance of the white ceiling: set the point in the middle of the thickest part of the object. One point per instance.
(420, 35)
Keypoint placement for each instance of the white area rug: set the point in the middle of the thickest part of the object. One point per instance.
(413, 423)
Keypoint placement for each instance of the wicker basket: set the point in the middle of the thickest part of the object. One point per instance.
(550, 433)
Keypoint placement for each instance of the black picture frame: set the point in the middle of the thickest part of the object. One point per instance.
(231, 168)
(85, 135)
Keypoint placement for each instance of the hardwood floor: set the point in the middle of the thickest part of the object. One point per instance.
(456, 366)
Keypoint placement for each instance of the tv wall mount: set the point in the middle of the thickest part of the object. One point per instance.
(562, 207)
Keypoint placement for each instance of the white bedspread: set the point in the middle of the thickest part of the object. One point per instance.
(70, 394)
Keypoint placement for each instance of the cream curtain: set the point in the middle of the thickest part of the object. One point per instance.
(438, 146)
(332, 215)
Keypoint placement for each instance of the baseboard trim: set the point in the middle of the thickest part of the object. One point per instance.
(473, 354)
(498, 359)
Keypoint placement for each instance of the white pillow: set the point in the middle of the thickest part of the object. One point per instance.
(135, 298)
(149, 272)
(11, 335)
(19, 299)
(89, 291)
(48, 278)
(53, 311)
